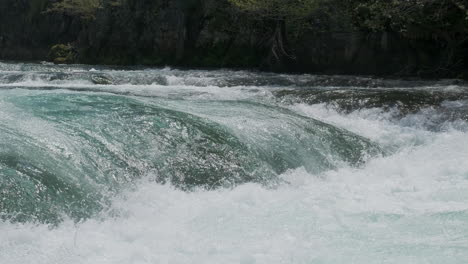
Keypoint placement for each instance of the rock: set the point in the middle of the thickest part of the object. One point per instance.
(463, 76)
(101, 80)
(62, 54)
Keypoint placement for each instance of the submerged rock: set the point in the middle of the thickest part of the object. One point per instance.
(101, 80)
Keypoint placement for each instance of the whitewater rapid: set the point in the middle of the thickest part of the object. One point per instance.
(299, 171)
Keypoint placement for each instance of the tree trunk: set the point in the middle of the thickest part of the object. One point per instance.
(279, 44)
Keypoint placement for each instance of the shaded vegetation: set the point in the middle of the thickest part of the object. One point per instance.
(84, 8)
(277, 9)
(419, 37)
(444, 22)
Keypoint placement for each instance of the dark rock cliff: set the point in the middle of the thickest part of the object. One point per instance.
(206, 33)
(366, 53)
(26, 33)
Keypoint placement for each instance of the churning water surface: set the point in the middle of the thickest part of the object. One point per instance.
(135, 165)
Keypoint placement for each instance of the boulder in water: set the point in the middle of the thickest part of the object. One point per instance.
(101, 80)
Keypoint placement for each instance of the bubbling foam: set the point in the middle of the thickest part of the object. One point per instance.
(132, 165)
(407, 207)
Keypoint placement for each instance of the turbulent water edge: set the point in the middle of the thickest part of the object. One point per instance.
(130, 165)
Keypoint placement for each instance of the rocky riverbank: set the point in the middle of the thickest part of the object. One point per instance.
(361, 38)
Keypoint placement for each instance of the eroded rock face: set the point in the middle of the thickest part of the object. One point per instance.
(365, 53)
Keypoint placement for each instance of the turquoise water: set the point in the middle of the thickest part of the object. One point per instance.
(135, 165)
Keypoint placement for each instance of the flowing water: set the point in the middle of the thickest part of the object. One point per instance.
(135, 165)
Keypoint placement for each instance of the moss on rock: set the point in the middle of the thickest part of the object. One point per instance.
(62, 54)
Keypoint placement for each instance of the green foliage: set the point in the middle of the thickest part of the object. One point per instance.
(277, 29)
(441, 22)
(415, 19)
(277, 9)
(83, 8)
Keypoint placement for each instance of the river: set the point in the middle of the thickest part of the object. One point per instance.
(142, 165)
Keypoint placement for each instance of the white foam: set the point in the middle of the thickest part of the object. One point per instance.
(409, 207)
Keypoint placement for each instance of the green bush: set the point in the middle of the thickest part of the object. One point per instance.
(83, 8)
(277, 9)
(62, 54)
